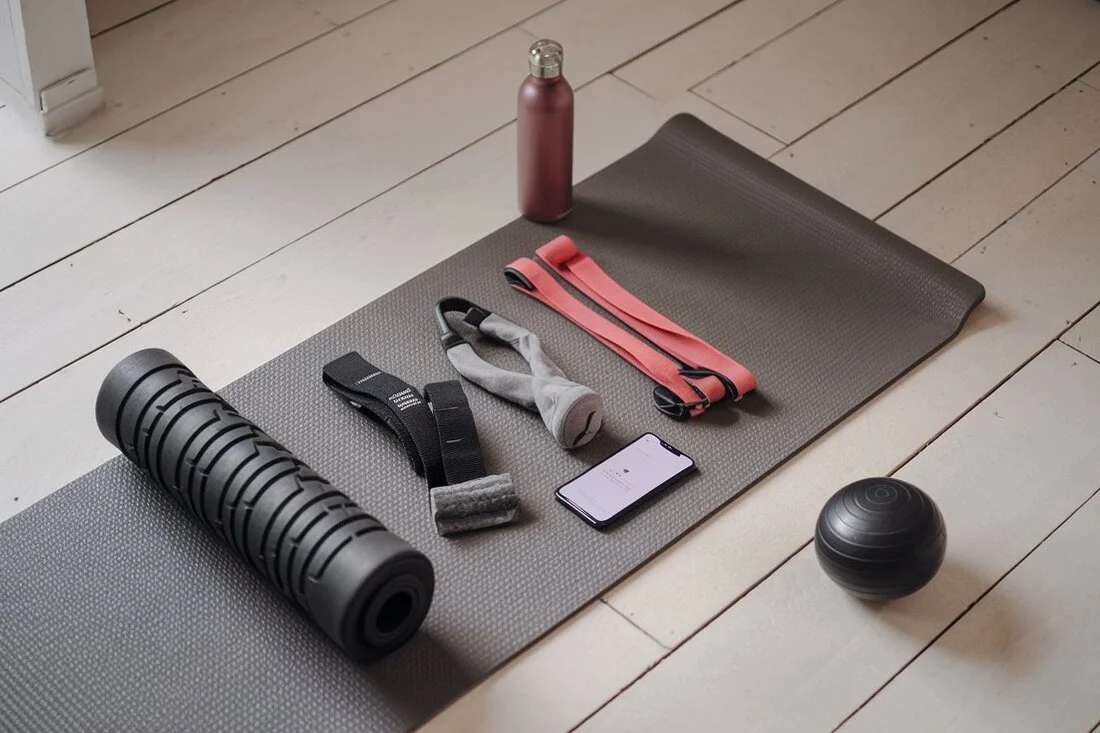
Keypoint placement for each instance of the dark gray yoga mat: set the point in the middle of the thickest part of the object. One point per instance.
(117, 612)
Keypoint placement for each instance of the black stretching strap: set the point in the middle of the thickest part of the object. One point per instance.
(457, 432)
(440, 440)
(395, 405)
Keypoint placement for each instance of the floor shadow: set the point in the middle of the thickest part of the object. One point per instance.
(938, 608)
(986, 316)
(655, 231)
(757, 404)
(727, 413)
(603, 445)
(997, 641)
(724, 414)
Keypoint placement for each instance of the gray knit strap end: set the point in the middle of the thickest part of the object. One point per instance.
(479, 503)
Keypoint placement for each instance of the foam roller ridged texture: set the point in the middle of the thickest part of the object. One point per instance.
(366, 588)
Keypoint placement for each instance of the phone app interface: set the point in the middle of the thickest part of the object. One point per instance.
(624, 478)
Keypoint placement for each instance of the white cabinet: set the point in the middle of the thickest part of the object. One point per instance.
(46, 64)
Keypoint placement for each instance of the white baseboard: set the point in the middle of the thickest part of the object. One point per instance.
(60, 106)
(47, 59)
(73, 112)
(69, 101)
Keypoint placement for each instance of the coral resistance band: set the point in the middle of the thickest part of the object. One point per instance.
(702, 376)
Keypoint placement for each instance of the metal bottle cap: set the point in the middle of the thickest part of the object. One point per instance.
(544, 59)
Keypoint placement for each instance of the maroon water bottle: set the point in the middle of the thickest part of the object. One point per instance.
(545, 129)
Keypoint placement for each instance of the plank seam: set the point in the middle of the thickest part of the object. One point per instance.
(686, 639)
(630, 621)
(1057, 339)
(694, 633)
(246, 163)
(808, 542)
(142, 14)
(254, 68)
(663, 41)
(904, 71)
(709, 103)
(975, 151)
(636, 88)
(1085, 354)
(182, 102)
(767, 43)
(967, 610)
(1090, 85)
(136, 325)
(1032, 200)
(739, 119)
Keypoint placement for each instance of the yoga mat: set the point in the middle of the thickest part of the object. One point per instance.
(119, 612)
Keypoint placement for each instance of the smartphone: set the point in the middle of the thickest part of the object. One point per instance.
(624, 480)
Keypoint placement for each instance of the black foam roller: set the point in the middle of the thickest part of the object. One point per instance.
(366, 588)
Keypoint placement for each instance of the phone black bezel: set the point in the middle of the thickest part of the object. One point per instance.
(637, 504)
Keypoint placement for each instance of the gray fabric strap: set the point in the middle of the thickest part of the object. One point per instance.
(470, 500)
(483, 502)
(572, 412)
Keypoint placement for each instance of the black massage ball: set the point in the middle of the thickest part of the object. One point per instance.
(880, 538)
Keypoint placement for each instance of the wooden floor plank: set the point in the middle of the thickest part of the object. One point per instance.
(687, 59)
(1033, 293)
(815, 71)
(60, 211)
(303, 288)
(984, 189)
(1085, 336)
(314, 282)
(296, 291)
(584, 663)
(104, 14)
(157, 62)
(690, 103)
(104, 291)
(341, 11)
(1093, 77)
(600, 35)
(1092, 166)
(299, 290)
(1024, 658)
(228, 225)
(798, 654)
(888, 145)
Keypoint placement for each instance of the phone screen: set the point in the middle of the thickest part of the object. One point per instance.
(625, 478)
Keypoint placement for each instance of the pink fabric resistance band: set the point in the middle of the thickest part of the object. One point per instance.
(709, 376)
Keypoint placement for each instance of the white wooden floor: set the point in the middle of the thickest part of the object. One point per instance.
(256, 155)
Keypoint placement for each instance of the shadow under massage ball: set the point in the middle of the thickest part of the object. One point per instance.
(880, 538)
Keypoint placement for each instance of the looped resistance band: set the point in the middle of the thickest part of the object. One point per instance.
(700, 375)
(571, 412)
(440, 441)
